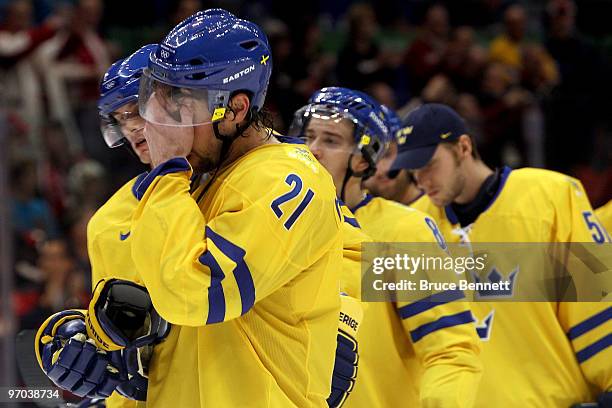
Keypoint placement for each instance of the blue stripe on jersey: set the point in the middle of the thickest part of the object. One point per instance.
(363, 202)
(429, 303)
(176, 165)
(589, 351)
(352, 221)
(216, 298)
(442, 323)
(289, 139)
(139, 180)
(450, 214)
(590, 323)
(242, 274)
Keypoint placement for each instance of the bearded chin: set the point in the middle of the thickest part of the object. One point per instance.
(200, 164)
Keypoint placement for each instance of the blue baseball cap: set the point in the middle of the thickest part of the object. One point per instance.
(422, 130)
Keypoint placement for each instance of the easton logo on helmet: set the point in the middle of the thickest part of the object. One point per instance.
(239, 74)
(379, 122)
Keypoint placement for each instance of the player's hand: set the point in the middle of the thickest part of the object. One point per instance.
(121, 315)
(72, 361)
(172, 139)
(136, 361)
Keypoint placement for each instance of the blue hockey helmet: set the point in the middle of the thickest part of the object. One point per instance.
(200, 64)
(119, 87)
(394, 123)
(371, 131)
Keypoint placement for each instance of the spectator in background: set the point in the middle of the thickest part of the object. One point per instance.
(383, 93)
(87, 185)
(63, 286)
(506, 47)
(579, 102)
(77, 233)
(539, 73)
(21, 90)
(359, 62)
(55, 167)
(502, 103)
(536, 68)
(29, 212)
(439, 89)
(464, 60)
(75, 60)
(425, 55)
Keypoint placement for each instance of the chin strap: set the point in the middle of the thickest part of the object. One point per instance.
(350, 173)
(226, 141)
(347, 175)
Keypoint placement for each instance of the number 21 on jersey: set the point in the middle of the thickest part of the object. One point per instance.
(295, 182)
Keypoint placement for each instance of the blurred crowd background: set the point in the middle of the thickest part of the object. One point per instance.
(532, 79)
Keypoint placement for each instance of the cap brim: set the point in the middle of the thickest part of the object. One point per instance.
(414, 158)
(393, 174)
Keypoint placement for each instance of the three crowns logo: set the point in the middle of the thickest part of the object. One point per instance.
(496, 277)
(402, 133)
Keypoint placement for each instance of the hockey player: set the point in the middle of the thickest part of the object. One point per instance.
(398, 186)
(121, 125)
(253, 308)
(534, 354)
(401, 363)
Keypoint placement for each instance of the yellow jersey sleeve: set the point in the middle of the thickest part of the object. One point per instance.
(202, 271)
(588, 325)
(574, 219)
(108, 232)
(352, 238)
(443, 334)
(441, 326)
(604, 215)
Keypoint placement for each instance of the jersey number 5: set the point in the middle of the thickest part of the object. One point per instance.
(295, 182)
(600, 234)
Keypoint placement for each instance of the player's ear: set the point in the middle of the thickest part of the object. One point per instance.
(359, 164)
(239, 106)
(464, 143)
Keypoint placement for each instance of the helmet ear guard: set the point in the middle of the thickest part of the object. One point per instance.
(370, 150)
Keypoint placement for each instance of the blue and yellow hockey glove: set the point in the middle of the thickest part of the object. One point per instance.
(73, 362)
(121, 316)
(347, 353)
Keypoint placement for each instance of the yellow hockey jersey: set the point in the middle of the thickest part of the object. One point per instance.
(110, 252)
(421, 354)
(604, 215)
(248, 276)
(537, 354)
(352, 238)
(108, 232)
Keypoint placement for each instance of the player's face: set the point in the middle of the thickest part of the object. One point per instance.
(132, 127)
(380, 184)
(205, 155)
(331, 143)
(442, 178)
